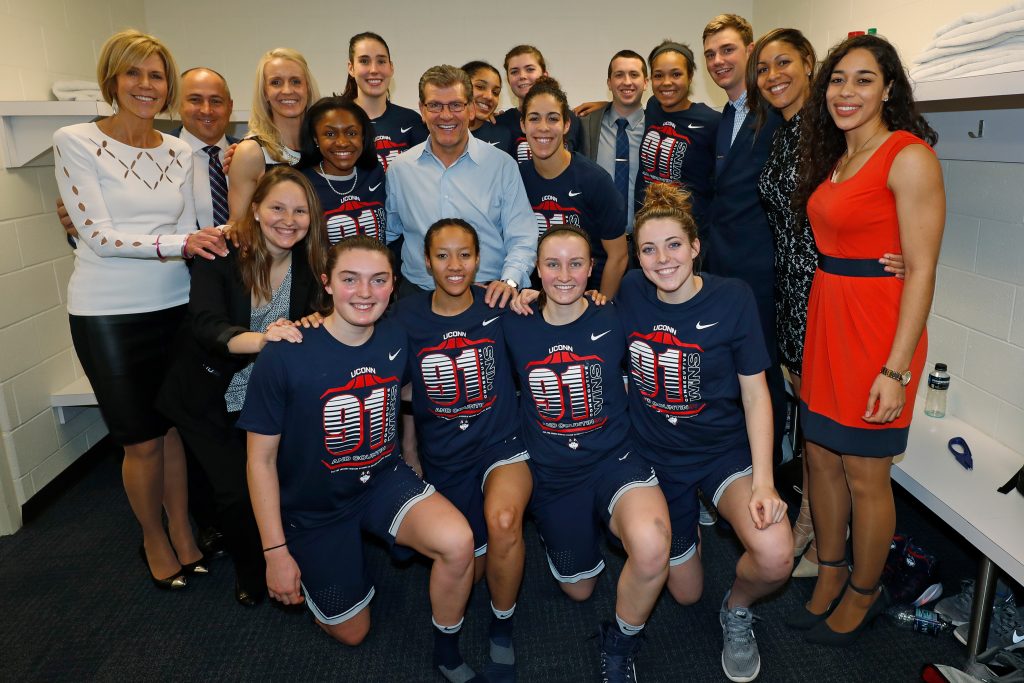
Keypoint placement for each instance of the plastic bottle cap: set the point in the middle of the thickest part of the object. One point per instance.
(853, 34)
(941, 367)
(872, 31)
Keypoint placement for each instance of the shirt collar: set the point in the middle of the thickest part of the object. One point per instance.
(635, 119)
(740, 103)
(472, 150)
(197, 145)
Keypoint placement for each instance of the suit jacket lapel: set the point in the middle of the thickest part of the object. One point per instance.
(743, 142)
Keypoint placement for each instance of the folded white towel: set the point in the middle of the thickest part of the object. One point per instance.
(998, 54)
(77, 90)
(982, 30)
(994, 67)
(978, 17)
(948, 52)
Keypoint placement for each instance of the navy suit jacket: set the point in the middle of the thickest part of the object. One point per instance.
(738, 241)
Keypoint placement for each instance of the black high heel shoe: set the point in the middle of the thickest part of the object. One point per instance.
(805, 619)
(821, 634)
(200, 566)
(171, 583)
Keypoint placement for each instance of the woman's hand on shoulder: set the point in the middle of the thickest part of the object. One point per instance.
(283, 576)
(766, 506)
(582, 110)
(313, 320)
(521, 301)
(229, 154)
(282, 330)
(597, 297)
(885, 400)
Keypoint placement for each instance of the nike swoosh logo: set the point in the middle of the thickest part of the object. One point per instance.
(373, 188)
(624, 457)
(406, 130)
(574, 194)
(488, 322)
(1016, 638)
(392, 356)
(595, 337)
(694, 126)
(704, 327)
(493, 144)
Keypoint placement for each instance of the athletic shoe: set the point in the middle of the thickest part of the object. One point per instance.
(1005, 630)
(741, 661)
(708, 511)
(618, 654)
(501, 661)
(957, 608)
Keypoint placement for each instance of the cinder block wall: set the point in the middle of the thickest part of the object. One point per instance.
(43, 41)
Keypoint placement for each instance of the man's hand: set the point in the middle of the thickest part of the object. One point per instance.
(499, 293)
(65, 219)
(208, 243)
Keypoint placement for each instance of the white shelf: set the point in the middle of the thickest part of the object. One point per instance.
(27, 128)
(966, 87)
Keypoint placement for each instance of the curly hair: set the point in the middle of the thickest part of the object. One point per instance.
(545, 85)
(822, 144)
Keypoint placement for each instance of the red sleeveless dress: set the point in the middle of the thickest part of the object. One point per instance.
(853, 310)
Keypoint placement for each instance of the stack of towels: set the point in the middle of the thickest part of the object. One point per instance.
(80, 91)
(973, 45)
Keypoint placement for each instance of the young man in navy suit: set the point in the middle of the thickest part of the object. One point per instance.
(738, 242)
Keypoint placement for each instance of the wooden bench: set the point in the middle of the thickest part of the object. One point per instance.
(968, 501)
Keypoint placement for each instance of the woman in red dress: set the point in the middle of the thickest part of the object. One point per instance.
(870, 183)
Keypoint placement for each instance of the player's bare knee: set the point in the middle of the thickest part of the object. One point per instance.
(347, 633)
(505, 523)
(578, 592)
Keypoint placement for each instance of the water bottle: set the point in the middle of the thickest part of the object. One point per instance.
(938, 385)
(919, 619)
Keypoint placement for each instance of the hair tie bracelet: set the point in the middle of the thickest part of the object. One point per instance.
(275, 547)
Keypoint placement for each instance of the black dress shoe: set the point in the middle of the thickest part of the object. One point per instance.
(174, 582)
(211, 542)
(822, 634)
(200, 566)
(804, 619)
(248, 596)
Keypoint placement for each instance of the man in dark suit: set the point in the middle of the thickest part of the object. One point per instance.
(205, 112)
(738, 241)
(605, 139)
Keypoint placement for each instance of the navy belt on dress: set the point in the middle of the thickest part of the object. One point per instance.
(852, 267)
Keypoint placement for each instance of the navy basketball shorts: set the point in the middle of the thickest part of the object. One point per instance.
(465, 488)
(679, 483)
(334, 578)
(569, 510)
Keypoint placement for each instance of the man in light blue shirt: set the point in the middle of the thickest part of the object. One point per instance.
(454, 175)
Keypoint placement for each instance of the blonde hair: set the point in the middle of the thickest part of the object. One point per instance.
(664, 200)
(261, 119)
(126, 49)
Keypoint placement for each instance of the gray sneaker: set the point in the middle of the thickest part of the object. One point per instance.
(957, 608)
(1006, 630)
(708, 511)
(740, 659)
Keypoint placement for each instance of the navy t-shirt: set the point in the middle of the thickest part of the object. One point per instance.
(359, 212)
(573, 409)
(463, 395)
(679, 148)
(583, 195)
(395, 131)
(521, 149)
(684, 394)
(496, 136)
(336, 409)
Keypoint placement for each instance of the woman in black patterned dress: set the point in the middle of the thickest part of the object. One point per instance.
(779, 74)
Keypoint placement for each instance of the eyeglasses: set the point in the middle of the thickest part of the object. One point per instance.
(437, 107)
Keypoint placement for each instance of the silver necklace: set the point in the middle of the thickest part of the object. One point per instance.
(355, 179)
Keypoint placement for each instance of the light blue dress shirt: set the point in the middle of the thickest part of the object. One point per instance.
(741, 115)
(482, 187)
(606, 151)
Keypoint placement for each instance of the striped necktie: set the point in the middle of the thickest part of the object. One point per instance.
(218, 186)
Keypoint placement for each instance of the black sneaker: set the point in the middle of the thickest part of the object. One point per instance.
(618, 652)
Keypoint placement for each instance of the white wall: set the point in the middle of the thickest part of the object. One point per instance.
(977, 321)
(43, 40)
(576, 41)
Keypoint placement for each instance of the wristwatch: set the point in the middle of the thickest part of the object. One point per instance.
(511, 283)
(901, 377)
